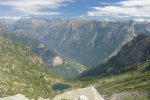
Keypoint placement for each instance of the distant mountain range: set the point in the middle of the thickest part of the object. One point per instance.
(86, 43)
(113, 57)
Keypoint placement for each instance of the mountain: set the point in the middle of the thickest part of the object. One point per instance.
(86, 41)
(133, 54)
(22, 71)
(65, 47)
(82, 42)
(62, 66)
(125, 76)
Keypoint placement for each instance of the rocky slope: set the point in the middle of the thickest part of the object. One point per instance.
(128, 86)
(125, 76)
(131, 55)
(62, 66)
(22, 71)
(88, 93)
(79, 42)
(86, 41)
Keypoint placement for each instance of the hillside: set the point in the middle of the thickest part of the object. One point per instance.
(22, 71)
(125, 76)
(133, 53)
(66, 46)
(66, 68)
(82, 43)
(86, 41)
(128, 86)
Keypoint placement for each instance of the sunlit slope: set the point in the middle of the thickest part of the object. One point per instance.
(68, 69)
(21, 71)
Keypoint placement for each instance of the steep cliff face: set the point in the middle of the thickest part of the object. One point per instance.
(133, 56)
(89, 42)
(57, 61)
(133, 52)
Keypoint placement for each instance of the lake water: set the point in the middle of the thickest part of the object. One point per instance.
(60, 86)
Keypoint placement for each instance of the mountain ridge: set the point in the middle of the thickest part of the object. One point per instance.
(78, 38)
(126, 60)
(67, 69)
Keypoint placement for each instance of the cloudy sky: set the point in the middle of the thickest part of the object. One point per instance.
(101, 9)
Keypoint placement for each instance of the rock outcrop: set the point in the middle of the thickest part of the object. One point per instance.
(20, 97)
(83, 97)
(57, 61)
(15, 97)
(89, 93)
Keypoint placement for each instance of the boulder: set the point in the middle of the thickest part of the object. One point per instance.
(88, 93)
(15, 97)
(83, 97)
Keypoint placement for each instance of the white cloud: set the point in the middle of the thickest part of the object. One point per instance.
(34, 6)
(81, 16)
(139, 20)
(46, 13)
(15, 18)
(126, 8)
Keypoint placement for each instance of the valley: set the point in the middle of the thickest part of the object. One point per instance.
(109, 59)
(122, 75)
(74, 49)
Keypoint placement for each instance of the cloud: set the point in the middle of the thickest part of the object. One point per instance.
(14, 18)
(139, 20)
(105, 3)
(34, 7)
(125, 8)
(46, 13)
(81, 16)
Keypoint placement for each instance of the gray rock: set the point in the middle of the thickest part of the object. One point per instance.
(83, 97)
(89, 93)
(15, 97)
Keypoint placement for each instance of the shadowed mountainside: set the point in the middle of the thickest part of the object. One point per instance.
(133, 53)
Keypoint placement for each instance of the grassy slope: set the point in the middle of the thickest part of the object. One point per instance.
(133, 81)
(21, 71)
(66, 71)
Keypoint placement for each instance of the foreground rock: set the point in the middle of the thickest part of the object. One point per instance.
(19, 97)
(83, 97)
(15, 97)
(89, 93)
